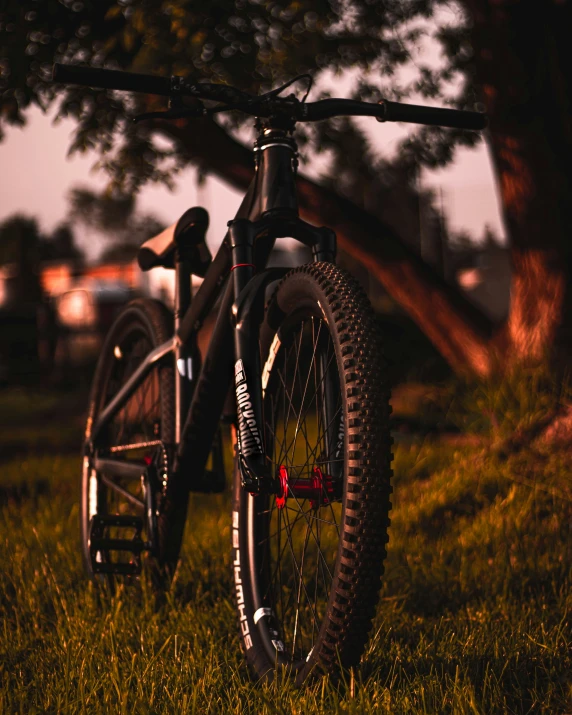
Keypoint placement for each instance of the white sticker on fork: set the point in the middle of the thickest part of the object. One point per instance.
(274, 348)
(260, 613)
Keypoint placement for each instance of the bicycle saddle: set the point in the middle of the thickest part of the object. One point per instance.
(185, 237)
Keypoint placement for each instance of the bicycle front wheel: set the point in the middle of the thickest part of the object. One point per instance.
(308, 561)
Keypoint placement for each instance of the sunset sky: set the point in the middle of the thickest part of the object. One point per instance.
(36, 177)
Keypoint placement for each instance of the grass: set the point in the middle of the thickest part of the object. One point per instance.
(475, 612)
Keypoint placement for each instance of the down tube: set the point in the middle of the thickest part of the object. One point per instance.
(217, 371)
(211, 391)
(209, 396)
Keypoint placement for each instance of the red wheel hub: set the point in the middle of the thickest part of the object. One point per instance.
(319, 488)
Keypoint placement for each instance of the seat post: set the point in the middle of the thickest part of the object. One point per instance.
(184, 354)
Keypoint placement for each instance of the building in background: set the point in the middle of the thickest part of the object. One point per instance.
(78, 305)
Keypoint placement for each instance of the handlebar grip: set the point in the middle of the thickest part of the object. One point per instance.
(112, 79)
(415, 114)
(386, 111)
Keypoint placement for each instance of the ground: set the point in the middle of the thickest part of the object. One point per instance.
(475, 612)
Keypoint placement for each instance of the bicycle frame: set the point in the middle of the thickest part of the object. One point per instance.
(268, 211)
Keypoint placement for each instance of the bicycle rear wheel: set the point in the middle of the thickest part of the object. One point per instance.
(121, 516)
(308, 562)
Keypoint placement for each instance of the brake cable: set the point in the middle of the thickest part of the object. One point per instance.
(181, 112)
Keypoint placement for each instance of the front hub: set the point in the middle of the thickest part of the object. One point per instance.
(319, 488)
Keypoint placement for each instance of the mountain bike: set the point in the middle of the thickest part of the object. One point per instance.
(295, 365)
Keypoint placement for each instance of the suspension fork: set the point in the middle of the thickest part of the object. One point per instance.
(247, 317)
(254, 470)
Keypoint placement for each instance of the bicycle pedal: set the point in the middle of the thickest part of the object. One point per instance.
(103, 547)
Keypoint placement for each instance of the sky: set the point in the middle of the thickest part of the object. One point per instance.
(36, 176)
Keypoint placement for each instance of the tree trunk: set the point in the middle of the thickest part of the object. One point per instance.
(526, 83)
(457, 328)
(525, 78)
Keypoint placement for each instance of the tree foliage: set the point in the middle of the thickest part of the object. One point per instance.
(486, 47)
(253, 44)
(23, 244)
(23, 247)
(115, 215)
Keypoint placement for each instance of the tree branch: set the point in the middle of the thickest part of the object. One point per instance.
(459, 330)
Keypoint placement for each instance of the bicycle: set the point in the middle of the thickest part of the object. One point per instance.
(311, 483)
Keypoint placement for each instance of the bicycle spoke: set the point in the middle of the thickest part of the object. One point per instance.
(301, 538)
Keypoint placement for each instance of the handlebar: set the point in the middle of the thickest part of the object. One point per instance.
(265, 106)
(112, 79)
(386, 111)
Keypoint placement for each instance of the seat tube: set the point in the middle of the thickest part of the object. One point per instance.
(185, 356)
(247, 366)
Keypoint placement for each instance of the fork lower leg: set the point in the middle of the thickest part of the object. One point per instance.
(255, 477)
